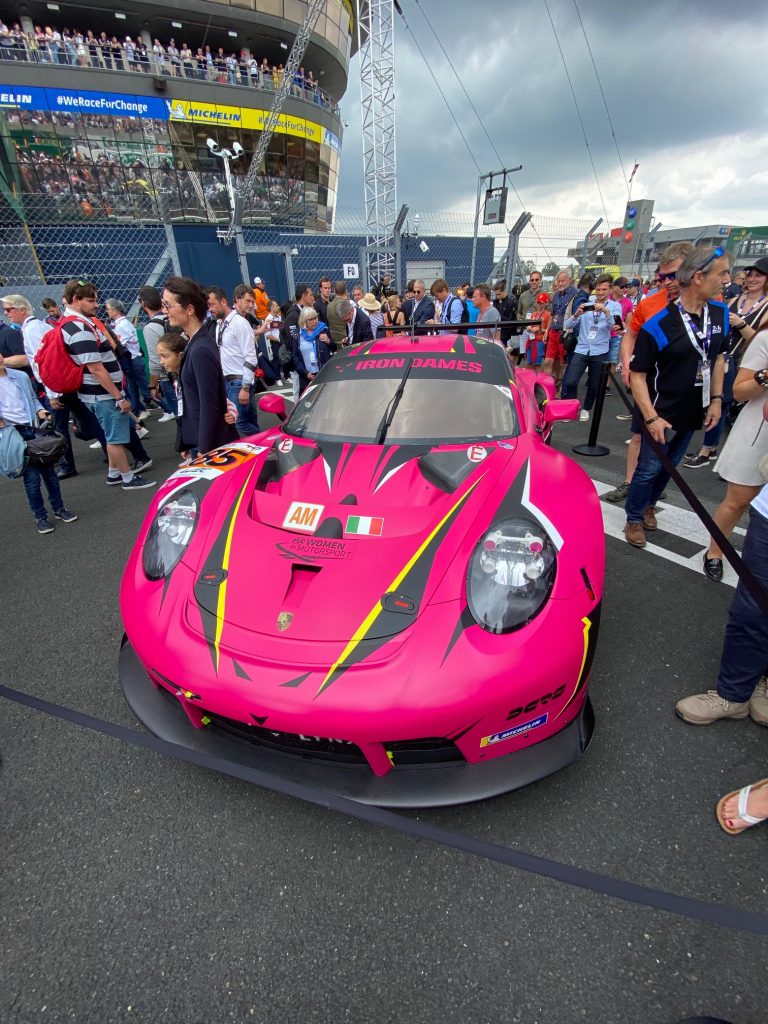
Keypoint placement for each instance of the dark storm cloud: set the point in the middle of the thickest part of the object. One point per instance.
(678, 77)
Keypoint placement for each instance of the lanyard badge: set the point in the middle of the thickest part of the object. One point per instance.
(701, 340)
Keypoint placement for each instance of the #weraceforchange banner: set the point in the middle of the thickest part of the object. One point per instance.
(73, 101)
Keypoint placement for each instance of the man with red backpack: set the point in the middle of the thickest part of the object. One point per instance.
(100, 388)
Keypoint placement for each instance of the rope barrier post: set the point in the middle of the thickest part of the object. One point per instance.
(592, 447)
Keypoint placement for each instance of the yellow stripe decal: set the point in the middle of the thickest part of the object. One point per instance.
(222, 597)
(587, 627)
(374, 613)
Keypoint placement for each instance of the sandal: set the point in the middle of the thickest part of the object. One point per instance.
(743, 795)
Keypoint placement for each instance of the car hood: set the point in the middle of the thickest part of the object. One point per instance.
(317, 541)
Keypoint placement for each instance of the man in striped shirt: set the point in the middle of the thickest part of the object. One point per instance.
(101, 389)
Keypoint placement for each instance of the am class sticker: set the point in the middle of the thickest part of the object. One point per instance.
(303, 516)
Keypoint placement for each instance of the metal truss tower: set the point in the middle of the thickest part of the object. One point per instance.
(376, 43)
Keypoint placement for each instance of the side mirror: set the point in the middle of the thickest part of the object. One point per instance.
(275, 404)
(561, 409)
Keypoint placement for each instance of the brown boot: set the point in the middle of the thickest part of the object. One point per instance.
(635, 534)
(649, 518)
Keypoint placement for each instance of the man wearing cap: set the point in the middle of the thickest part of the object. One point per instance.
(261, 298)
(635, 291)
(555, 356)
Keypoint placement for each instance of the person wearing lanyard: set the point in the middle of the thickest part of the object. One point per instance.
(676, 376)
(234, 336)
(595, 319)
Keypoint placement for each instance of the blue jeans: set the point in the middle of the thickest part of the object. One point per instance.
(745, 646)
(168, 399)
(247, 422)
(576, 367)
(138, 385)
(650, 478)
(33, 477)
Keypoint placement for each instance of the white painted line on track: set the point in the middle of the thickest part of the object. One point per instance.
(681, 522)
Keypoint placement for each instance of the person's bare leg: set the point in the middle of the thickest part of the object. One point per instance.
(757, 807)
(118, 459)
(729, 512)
(546, 367)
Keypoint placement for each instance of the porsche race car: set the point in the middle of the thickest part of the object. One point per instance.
(394, 595)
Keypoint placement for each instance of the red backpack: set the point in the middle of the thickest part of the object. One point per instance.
(55, 366)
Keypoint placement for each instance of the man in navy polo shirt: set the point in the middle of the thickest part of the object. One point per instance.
(676, 375)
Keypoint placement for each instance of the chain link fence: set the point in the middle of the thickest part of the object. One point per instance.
(47, 240)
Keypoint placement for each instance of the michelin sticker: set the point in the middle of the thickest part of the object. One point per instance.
(518, 730)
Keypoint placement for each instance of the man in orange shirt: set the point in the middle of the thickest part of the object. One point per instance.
(260, 298)
(669, 290)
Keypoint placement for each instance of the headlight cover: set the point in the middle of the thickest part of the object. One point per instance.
(511, 575)
(170, 534)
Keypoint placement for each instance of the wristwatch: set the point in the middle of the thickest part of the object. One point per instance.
(652, 420)
(761, 378)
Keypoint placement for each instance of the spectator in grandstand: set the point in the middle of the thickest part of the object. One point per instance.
(135, 371)
(237, 350)
(487, 313)
(160, 387)
(102, 380)
(53, 313)
(202, 390)
(593, 344)
(323, 298)
(356, 323)
(677, 380)
(670, 261)
(507, 307)
(556, 356)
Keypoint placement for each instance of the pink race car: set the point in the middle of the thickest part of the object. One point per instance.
(395, 596)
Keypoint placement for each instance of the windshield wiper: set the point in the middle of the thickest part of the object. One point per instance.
(389, 412)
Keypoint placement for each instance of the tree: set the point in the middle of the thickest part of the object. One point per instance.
(550, 269)
(526, 267)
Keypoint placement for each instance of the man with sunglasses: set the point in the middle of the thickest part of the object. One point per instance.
(676, 376)
(669, 264)
(420, 308)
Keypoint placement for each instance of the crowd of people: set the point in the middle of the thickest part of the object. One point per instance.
(75, 48)
(692, 346)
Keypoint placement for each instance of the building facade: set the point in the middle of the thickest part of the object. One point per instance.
(105, 115)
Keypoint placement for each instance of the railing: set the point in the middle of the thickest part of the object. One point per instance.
(97, 56)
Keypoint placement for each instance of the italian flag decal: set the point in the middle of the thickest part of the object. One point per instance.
(371, 526)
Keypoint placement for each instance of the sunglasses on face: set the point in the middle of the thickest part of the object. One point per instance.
(671, 276)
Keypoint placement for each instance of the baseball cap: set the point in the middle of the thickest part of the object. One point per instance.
(635, 282)
(621, 282)
(542, 297)
(257, 280)
(761, 265)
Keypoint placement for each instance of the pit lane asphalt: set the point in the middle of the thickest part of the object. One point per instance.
(137, 888)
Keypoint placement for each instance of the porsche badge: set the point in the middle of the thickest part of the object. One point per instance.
(284, 619)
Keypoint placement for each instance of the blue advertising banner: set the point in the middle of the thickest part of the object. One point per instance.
(73, 101)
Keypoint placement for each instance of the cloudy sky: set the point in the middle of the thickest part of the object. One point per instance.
(685, 85)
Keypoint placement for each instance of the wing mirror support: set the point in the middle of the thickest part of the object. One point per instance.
(275, 404)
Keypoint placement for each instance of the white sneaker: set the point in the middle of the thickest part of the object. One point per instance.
(583, 416)
(141, 431)
(166, 417)
(144, 414)
(94, 445)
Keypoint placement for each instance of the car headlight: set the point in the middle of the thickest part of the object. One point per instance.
(511, 575)
(169, 534)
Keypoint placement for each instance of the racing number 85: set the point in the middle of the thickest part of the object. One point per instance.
(527, 708)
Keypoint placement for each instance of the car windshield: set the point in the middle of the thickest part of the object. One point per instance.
(431, 408)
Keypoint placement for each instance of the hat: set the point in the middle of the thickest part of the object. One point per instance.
(257, 280)
(761, 265)
(369, 301)
(621, 282)
(635, 282)
(542, 297)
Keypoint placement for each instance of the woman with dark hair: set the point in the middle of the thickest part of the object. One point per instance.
(203, 423)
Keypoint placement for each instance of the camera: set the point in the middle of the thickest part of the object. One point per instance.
(423, 246)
